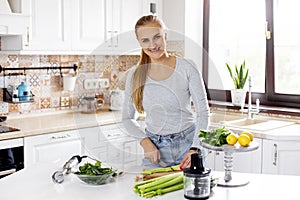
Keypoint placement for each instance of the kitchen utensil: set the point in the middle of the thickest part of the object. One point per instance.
(196, 179)
(116, 99)
(69, 82)
(162, 163)
(58, 176)
(91, 104)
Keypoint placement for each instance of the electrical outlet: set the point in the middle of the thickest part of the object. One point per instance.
(90, 84)
(104, 82)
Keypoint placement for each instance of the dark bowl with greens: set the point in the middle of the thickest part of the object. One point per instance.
(94, 174)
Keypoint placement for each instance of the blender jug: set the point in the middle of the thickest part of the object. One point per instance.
(196, 179)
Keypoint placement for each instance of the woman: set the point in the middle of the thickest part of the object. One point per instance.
(161, 86)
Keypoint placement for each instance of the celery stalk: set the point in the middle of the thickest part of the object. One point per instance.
(162, 169)
(170, 189)
(162, 179)
(178, 179)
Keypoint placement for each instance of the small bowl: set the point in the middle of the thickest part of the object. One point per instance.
(94, 180)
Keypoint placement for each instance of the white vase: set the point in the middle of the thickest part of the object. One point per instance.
(238, 97)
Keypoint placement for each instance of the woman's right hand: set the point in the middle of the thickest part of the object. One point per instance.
(150, 150)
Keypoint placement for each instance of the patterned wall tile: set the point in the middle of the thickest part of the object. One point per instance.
(45, 91)
(34, 79)
(54, 58)
(24, 107)
(12, 107)
(45, 102)
(3, 107)
(64, 101)
(46, 85)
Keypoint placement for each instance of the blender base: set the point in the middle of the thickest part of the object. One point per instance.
(195, 198)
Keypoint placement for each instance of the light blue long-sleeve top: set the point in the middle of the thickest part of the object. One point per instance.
(167, 103)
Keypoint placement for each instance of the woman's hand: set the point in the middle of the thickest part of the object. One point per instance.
(186, 161)
(150, 150)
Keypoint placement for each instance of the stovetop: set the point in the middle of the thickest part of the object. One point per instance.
(6, 129)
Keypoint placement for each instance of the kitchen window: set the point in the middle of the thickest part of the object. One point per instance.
(263, 33)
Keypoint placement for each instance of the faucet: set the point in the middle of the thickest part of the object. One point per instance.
(250, 110)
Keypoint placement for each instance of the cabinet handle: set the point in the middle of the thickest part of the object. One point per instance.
(117, 38)
(275, 154)
(111, 38)
(27, 37)
(60, 137)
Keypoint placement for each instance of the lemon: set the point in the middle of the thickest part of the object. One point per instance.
(249, 134)
(232, 138)
(244, 140)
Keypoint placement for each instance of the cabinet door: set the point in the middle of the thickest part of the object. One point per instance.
(57, 147)
(281, 157)
(121, 16)
(50, 25)
(247, 162)
(88, 30)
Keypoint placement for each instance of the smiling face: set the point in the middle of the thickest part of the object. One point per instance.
(152, 39)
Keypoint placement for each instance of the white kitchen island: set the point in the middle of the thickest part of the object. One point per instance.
(35, 183)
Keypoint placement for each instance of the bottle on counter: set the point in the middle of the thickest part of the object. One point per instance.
(24, 92)
(15, 97)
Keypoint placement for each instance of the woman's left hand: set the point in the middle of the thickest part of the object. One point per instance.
(186, 161)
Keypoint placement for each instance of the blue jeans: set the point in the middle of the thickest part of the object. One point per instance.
(172, 147)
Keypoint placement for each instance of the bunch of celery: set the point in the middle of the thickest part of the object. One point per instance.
(159, 185)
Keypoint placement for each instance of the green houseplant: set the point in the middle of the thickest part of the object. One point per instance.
(239, 77)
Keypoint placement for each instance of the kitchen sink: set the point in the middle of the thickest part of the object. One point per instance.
(247, 122)
(259, 124)
(223, 118)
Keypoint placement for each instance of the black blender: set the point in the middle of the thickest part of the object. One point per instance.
(196, 179)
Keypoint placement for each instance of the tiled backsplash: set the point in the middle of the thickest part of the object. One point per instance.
(46, 85)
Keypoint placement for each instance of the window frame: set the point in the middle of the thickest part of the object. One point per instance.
(269, 98)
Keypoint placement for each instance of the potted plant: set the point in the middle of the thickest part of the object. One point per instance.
(239, 77)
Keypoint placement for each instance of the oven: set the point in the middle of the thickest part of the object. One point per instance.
(11, 153)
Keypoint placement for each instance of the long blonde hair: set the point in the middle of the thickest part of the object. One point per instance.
(139, 77)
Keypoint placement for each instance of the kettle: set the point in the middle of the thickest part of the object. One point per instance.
(116, 99)
(24, 92)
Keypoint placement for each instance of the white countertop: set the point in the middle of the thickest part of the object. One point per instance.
(59, 121)
(35, 124)
(35, 183)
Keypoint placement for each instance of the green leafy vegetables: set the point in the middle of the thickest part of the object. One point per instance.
(215, 137)
(94, 169)
(94, 174)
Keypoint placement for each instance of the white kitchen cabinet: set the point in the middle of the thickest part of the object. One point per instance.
(247, 162)
(121, 16)
(281, 157)
(79, 27)
(16, 23)
(111, 145)
(49, 148)
(50, 28)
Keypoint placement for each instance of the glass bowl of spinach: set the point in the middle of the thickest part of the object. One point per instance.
(94, 174)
